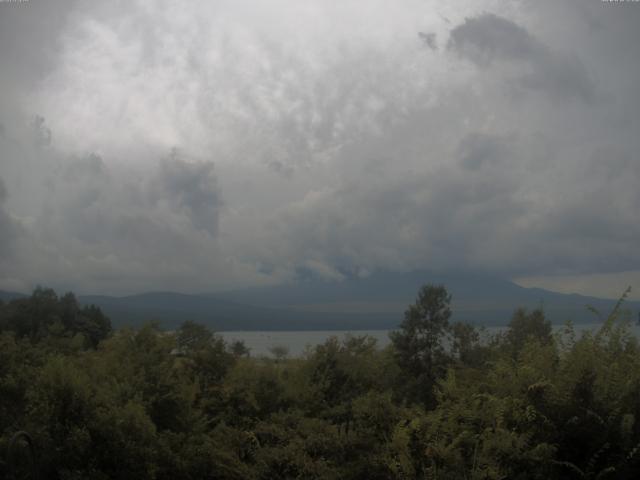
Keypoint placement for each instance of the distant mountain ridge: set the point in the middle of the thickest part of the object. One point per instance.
(171, 309)
(479, 299)
(374, 302)
(8, 296)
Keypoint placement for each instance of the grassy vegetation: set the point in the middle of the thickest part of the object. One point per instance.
(436, 403)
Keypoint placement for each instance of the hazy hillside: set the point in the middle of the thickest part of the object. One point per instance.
(375, 302)
(477, 299)
(171, 309)
(378, 301)
(7, 296)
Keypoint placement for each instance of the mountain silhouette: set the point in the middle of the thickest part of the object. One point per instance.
(374, 302)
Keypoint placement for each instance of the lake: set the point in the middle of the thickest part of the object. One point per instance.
(259, 342)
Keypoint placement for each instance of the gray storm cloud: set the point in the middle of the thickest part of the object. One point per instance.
(489, 38)
(7, 224)
(211, 144)
(193, 188)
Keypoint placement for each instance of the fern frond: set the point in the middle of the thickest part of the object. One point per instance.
(605, 472)
(594, 458)
(570, 466)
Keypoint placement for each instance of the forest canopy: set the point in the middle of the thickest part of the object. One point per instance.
(443, 400)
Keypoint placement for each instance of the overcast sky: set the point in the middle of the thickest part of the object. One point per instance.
(204, 145)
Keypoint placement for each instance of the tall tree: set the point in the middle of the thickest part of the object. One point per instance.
(418, 343)
(526, 326)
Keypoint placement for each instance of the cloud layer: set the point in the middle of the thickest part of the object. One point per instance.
(214, 144)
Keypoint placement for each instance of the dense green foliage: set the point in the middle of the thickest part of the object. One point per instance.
(442, 401)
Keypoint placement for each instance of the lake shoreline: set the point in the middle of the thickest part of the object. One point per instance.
(260, 342)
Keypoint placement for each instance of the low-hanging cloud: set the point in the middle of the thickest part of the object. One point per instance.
(7, 224)
(489, 38)
(193, 187)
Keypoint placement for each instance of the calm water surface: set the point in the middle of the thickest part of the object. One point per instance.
(260, 342)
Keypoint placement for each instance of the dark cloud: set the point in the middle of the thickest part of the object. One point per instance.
(193, 187)
(29, 37)
(489, 38)
(9, 228)
(89, 167)
(500, 207)
(280, 168)
(28, 50)
(41, 133)
(3, 192)
(477, 150)
(429, 39)
(103, 223)
(104, 205)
